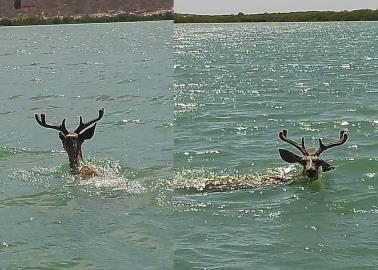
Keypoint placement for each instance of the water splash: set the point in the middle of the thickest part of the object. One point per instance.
(113, 177)
(48, 177)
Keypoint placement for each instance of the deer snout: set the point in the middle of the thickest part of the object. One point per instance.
(311, 172)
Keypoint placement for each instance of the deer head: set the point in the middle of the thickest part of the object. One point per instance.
(311, 162)
(72, 139)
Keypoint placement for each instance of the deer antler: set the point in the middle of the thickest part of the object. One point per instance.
(83, 126)
(41, 119)
(301, 147)
(322, 147)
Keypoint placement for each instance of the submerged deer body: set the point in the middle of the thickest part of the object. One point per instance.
(311, 162)
(72, 141)
(234, 182)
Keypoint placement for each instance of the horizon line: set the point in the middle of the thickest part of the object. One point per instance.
(264, 13)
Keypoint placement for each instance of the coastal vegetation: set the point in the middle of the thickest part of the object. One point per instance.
(306, 16)
(123, 17)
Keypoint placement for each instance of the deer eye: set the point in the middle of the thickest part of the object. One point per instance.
(318, 162)
(303, 161)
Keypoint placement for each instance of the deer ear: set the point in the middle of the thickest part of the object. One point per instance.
(289, 156)
(61, 136)
(326, 166)
(87, 133)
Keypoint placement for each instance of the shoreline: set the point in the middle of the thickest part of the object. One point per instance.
(81, 19)
(302, 16)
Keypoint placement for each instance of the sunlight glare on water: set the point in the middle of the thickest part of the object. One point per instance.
(236, 87)
(48, 219)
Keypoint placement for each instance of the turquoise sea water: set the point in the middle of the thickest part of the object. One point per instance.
(118, 220)
(236, 87)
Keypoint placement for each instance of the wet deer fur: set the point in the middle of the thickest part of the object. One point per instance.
(72, 141)
(311, 162)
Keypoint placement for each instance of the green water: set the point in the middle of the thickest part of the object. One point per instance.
(236, 87)
(116, 221)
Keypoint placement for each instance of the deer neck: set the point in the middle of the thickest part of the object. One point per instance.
(76, 162)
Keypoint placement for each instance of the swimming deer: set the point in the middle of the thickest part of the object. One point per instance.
(311, 162)
(72, 141)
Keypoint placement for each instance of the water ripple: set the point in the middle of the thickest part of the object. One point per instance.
(236, 86)
(52, 198)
